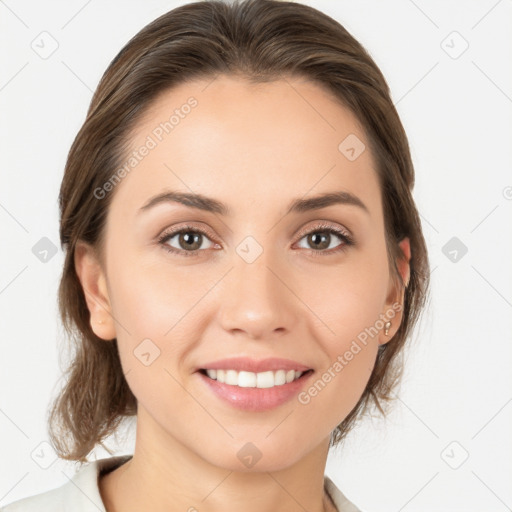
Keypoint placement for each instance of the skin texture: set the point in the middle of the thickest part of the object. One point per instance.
(255, 148)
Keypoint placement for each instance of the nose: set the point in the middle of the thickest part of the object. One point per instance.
(257, 299)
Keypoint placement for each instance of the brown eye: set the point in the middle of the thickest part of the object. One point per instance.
(187, 241)
(322, 237)
(319, 240)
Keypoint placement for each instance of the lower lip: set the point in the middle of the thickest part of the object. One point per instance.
(256, 399)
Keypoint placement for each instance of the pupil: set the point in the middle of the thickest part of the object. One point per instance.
(317, 240)
(191, 239)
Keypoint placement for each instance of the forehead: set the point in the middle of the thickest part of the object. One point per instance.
(242, 143)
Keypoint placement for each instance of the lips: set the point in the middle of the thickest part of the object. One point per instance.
(255, 399)
(255, 366)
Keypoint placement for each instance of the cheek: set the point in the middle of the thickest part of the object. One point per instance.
(351, 353)
(337, 387)
(348, 299)
(350, 304)
(158, 313)
(153, 325)
(150, 295)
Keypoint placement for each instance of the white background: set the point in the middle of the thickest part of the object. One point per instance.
(457, 114)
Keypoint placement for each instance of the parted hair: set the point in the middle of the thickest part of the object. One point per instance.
(260, 41)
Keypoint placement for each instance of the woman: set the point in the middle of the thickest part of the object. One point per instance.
(244, 262)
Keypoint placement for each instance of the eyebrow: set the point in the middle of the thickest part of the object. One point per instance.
(209, 204)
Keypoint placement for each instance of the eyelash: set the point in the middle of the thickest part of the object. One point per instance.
(321, 228)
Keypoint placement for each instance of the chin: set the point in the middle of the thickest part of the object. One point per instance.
(256, 457)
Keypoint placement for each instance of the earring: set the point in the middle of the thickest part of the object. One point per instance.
(99, 322)
(387, 325)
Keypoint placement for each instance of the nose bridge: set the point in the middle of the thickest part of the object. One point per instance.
(255, 298)
(255, 277)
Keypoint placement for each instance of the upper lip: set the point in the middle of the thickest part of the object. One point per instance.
(253, 365)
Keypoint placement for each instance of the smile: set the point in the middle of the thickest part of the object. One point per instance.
(244, 379)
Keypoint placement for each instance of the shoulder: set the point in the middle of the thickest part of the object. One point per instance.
(339, 499)
(43, 502)
(82, 491)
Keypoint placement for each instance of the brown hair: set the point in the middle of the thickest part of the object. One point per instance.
(259, 40)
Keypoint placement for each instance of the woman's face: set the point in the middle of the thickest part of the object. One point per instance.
(262, 279)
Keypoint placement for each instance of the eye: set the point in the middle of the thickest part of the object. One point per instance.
(320, 238)
(189, 240)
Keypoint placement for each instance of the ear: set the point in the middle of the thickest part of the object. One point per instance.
(395, 300)
(93, 281)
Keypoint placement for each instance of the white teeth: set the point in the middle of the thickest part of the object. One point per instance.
(280, 378)
(212, 374)
(265, 380)
(244, 379)
(231, 377)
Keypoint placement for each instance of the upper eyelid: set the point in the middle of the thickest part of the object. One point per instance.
(323, 224)
(173, 232)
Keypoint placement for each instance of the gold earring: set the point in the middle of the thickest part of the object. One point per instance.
(387, 325)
